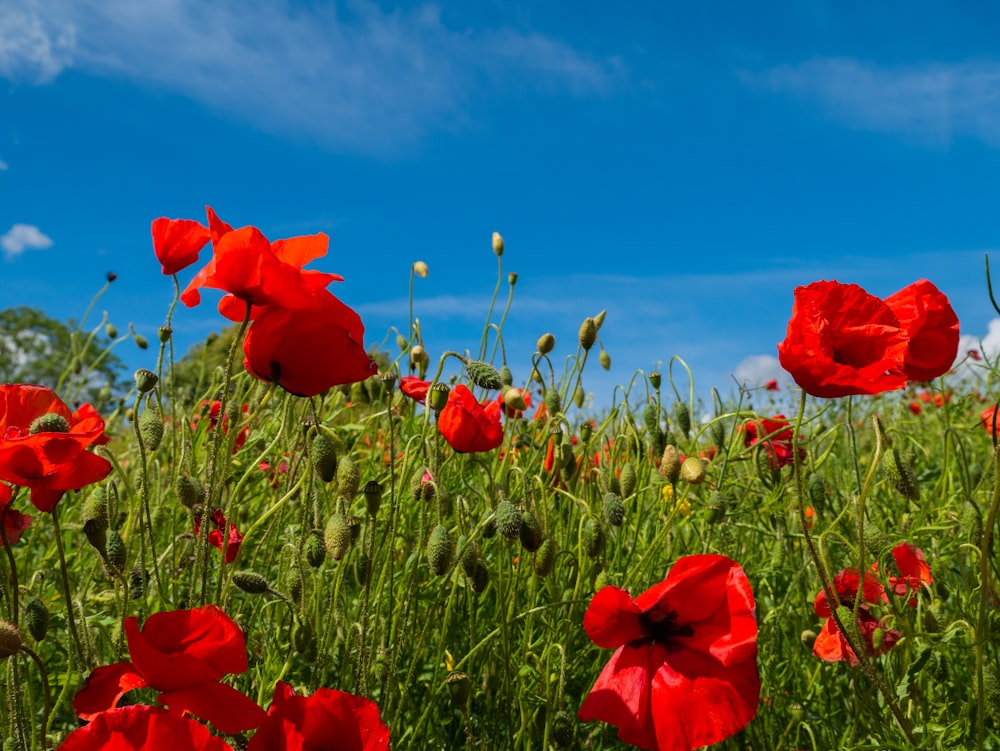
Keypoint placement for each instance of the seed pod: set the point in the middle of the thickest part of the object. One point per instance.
(627, 480)
(458, 686)
(115, 548)
(439, 550)
(145, 380)
(546, 343)
(348, 478)
(337, 536)
(530, 533)
(693, 470)
(314, 548)
(670, 464)
(588, 333)
(508, 520)
(151, 428)
(592, 537)
(251, 582)
(36, 618)
(323, 455)
(683, 417)
(483, 374)
(545, 558)
(614, 509)
(563, 729)
(655, 379)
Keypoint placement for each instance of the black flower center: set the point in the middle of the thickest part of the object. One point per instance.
(660, 625)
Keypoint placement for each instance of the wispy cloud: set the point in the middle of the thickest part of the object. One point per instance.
(933, 102)
(3, 165)
(22, 237)
(357, 77)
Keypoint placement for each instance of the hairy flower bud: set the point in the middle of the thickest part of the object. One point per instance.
(508, 520)
(545, 558)
(683, 417)
(627, 480)
(110, 331)
(251, 582)
(115, 547)
(588, 333)
(189, 491)
(553, 402)
(348, 478)
(323, 455)
(439, 550)
(670, 464)
(483, 374)
(497, 244)
(693, 470)
(50, 422)
(604, 359)
(899, 470)
(531, 533)
(592, 537)
(337, 536)
(314, 548)
(546, 343)
(372, 492)
(36, 618)
(614, 509)
(11, 641)
(151, 428)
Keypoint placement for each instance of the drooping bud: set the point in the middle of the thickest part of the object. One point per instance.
(512, 279)
(899, 470)
(497, 244)
(11, 641)
(337, 536)
(348, 478)
(50, 422)
(481, 577)
(420, 269)
(718, 504)
(530, 534)
(513, 399)
(251, 582)
(96, 532)
(36, 618)
(563, 729)
(291, 582)
(439, 550)
(483, 374)
(627, 480)
(323, 456)
(546, 343)
(670, 464)
(719, 434)
(604, 359)
(151, 428)
(508, 520)
(588, 333)
(304, 640)
(468, 556)
(140, 341)
(189, 491)
(614, 509)
(553, 403)
(816, 490)
(372, 492)
(458, 683)
(545, 558)
(110, 331)
(115, 547)
(683, 416)
(874, 540)
(419, 359)
(145, 380)
(592, 537)
(693, 470)
(579, 397)
(401, 342)
(314, 548)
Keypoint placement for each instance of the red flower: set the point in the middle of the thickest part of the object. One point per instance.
(415, 388)
(831, 645)
(772, 385)
(776, 435)
(214, 411)
(685, 671)
(215, 535)
(142, 728)
(467, 425)
(308, 350)
(327, 719)
(182, 654)
(43, 446)
(14, 522)
(177, 242)
(927, 316)
(974, 354)
(915, 573)
(915, 408)
(843, 341)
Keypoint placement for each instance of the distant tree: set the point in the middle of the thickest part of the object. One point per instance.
(37, 349)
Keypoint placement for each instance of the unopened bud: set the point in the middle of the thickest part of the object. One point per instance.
(372, 492)
(117, 554)
(111, 331)
(683, 416)
(508, 520)
(314, 549)
(337, 536)
(497, 244)
(483, 374)
(592, 537)
(614, 509)
(324, 457)
(604, 359)
(140, 341)
(588, 333)
(513, 399)
(512, 279)
(251, 582)
(546, 343)
(151, 428)
(627, 480)
(670, 463)
(36, 618)
(189, 491)
(420, 269)
(348, 478)
(531, 533)
(439, 550)
(545, 558)
(553, 403)
(599, 319)
(693, 470)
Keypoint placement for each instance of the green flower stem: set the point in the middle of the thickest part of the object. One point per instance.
(985, 595)
(46, 693)
(67, 593)
(493, 302)
(12, 595)
(144, 495)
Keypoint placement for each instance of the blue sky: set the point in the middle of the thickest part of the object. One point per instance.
(682, 165)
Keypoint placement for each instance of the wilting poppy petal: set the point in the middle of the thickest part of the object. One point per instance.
(142, 728)
(926, 314)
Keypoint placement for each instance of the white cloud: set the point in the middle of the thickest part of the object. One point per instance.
(933, 102)
(22, 237)
(757, 370)
(3, 165)
(355, 77)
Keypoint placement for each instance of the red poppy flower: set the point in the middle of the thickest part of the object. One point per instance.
(43, 446)
(214, 411)
(915, 408)
(831, 645)
(14, 522)
(843, 341)
(772, 385)
(415, 388)
(927, 316)
(990, 420)
(467, 425)
(974, 354)
(182, 654)
(327, 719)
(685, 671)
(776, 435)
(915, 573)
(177, 242)
(307, 351)
(215, 535)
(142, 728)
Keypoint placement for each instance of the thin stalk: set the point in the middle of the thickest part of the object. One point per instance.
(67, 593)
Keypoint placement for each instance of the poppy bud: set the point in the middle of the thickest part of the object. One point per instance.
(145, 380)
(36, 618)
(553, 403)
(420, 269)
(419, 359)
(138, 579)
(151, 428)
(508, 520)
(439, 396)
(816, 490)
(579, 397)
(991, 692)
(483, 375)
(604, 359)
(304, 640)
(497, 244)
(972, 523)
(567, 459)
(50, 422)
(164, 333)
(670, 464)
(599, 319)
(512, 279)
(627, 480)
(592, 537)
(401, 342)
(693, 470)
(372, 492)
(807, 638)
(546, 343)
(545, 558)
(314, 548)
(324, 457)
(11, 641)
(96, 533)
(683, 416)
(337, 536)
(140, 341)
(111, 276)
(513, 400)
(719, 434)
(457, 681)
(651, 418)
(935, 619)
(718, 504)
(530, 534)
(563, 729)
(506, 377)
(439, 550)
(899, 470)
(468, 556)
(348, 478)
(111, 331)
(115, 547)
(189, 492)
(586, 430)
(588, 333)
(251, 582)
(874, 539)
(481, 577)
(614, 509)
(291, 582)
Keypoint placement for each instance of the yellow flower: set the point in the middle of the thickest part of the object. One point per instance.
(667, 493)
(683, 507)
